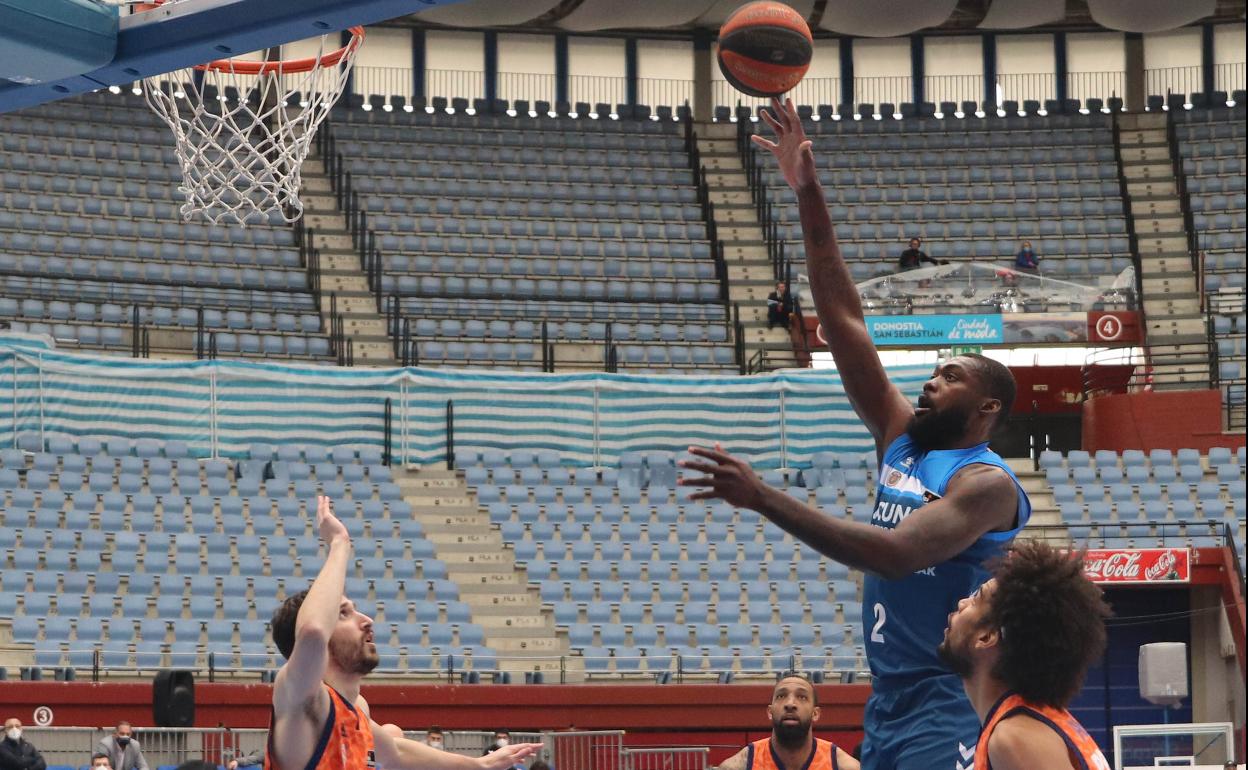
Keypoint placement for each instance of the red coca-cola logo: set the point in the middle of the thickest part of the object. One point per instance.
(1165, 563)
(1121, 565)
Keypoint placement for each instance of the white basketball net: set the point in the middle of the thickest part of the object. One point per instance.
(241, 158)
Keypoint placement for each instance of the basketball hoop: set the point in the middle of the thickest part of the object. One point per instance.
(243, 128)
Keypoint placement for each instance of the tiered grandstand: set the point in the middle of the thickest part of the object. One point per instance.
(92, 245)
(970, 188)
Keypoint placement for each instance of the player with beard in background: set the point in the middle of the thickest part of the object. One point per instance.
(793, 711)
(320, 721)
(945, 503)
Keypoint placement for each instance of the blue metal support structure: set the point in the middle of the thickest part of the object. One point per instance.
(490, 41)
(418, 63)
(184, 34)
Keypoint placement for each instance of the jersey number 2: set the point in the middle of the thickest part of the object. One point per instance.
(877, 631)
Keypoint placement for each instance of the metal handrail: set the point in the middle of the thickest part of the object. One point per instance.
(1144, 375)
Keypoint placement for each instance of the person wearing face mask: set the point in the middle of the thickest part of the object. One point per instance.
(502, 739)
(434, 738)
(16, 753)
(122, 749)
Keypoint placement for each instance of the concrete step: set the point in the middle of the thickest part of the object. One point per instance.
(1175, 303)
(716, 131)
(520, 628)
(325, 220)
(568, 669)
(481, 581)
(1141, 207)
(746, 251)
(1159, 328)
(1145, 153)
(733, 198)
(753, 273)
(578, 353)
(506, 605)
(550, 645)
(330, 241)
(1175, 283)
(746, 233)
(721, 163)
(472, 540)
(1160, 187)
(1142, 121)
(740, 216)
(1157, 245)
(1146, 171)
(349, 301)
(1135, 137)
(727, 179)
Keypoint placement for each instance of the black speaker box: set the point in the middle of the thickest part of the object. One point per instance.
(173, 699)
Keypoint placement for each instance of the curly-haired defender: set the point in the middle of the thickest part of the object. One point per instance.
(1021, 645)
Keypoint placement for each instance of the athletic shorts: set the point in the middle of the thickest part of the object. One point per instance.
(925, 726)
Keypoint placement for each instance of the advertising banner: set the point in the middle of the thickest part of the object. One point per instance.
(906, 330)
(1138, 565)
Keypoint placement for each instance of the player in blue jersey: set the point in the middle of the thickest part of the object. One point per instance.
(945, 503)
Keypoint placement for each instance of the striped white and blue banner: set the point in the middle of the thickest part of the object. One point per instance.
(223, 407)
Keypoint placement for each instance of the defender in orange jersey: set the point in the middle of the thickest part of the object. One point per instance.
(793, 711)
(320, 721)
(1021, 645)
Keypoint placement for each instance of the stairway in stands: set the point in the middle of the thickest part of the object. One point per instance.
(341, 273)
(1174, 324)
(750, 276)
(486, 573)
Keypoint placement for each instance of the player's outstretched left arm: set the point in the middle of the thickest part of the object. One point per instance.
(979, 499)
(399, 753)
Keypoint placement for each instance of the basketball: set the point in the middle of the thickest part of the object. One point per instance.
(764, 48)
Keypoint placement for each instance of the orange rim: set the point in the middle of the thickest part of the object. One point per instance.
(241, 67)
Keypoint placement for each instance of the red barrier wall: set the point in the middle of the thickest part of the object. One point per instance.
(1156, 420)
(652, 715)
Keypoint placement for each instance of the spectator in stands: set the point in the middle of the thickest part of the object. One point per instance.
(434, 738)
(779, 305)
(502, 738)
(121, 748)
(254, 759)
(1026, 258)
(101, 762)
(17, 753)
(914, 257)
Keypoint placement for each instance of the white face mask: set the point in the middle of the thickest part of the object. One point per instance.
(435, 745)
(501, 742)
(14, 733)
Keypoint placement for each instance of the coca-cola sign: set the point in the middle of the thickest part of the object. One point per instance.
(1138, 565)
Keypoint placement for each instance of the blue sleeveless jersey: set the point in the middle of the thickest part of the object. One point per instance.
(904, 620)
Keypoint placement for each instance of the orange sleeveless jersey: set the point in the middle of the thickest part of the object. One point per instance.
(346, 743)
(761, 757)
(1084, 754)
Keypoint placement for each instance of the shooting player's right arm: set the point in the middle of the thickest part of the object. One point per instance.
(876, 400)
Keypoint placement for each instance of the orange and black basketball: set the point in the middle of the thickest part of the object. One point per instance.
(764, 48)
